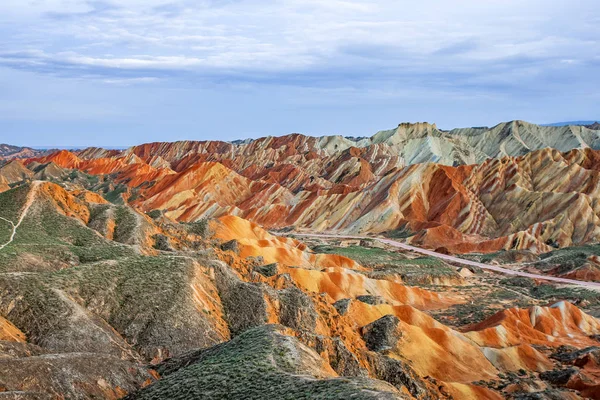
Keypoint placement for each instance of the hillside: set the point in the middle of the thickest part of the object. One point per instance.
(100, 301)
(179, 270)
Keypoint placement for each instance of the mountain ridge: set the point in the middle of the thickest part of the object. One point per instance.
(398, 135)
(415, 178)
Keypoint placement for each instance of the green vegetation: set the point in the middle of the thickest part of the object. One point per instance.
(154, 214)
(161, 242)
(38, 308)
(486, 301)
(126, 222)
(564, 254)
(416, 271)
(487, 258)
(129, 279)
(519, 281)
(147, 300)
(83, 178)
(114, 196)
(567, 259)
(547, 293)
(373, 257)
(199, 228)
(465, 314)
(260, 363)
(400, 233)
(5, 231)
(12, 201)
(551, 293)
(50, 240)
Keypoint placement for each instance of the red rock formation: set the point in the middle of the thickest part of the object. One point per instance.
(503, 343)
(562, 323)
(542, 199)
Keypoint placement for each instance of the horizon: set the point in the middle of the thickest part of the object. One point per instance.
(86, 72)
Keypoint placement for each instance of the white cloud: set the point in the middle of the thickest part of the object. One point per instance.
(130, 81)
(486, 39)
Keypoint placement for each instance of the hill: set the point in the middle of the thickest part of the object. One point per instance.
(101, 301)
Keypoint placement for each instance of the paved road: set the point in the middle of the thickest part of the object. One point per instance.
(458, 260)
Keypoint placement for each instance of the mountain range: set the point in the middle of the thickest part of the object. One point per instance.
(514, 186)
(182, 270)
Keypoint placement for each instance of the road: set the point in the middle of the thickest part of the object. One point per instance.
(457, 260)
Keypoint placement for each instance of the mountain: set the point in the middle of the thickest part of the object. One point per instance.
(582, 123)
(534, 188)
(8, 152)
(408, 144)
(101, 301)
(182, 270)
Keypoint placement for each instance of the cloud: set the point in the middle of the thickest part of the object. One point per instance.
(293, 35)
(130, 81)
(379, 53)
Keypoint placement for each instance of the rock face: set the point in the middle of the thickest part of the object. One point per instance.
(513, 186)
(382, 334)
(538, 325)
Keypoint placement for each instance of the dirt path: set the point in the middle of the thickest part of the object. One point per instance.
(458, 260)
(30, 198)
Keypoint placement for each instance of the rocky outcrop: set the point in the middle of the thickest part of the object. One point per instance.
(336, 353)
(297, 310)
(370, 299)
(382, 334)
(559, 377)
(401, 375)
(232, 245)
(342, 306)
(268, 270)
(246, 305)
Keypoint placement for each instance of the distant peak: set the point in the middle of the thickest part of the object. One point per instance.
(405, 131)
(595, 126)
(417, 125)
(520, 122)
(424, 123)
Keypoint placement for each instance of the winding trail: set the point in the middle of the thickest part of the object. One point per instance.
(457, 260)
(29, 201)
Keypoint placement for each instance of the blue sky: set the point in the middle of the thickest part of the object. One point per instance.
(117, 73)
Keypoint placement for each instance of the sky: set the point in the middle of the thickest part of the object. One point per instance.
(118, 73)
